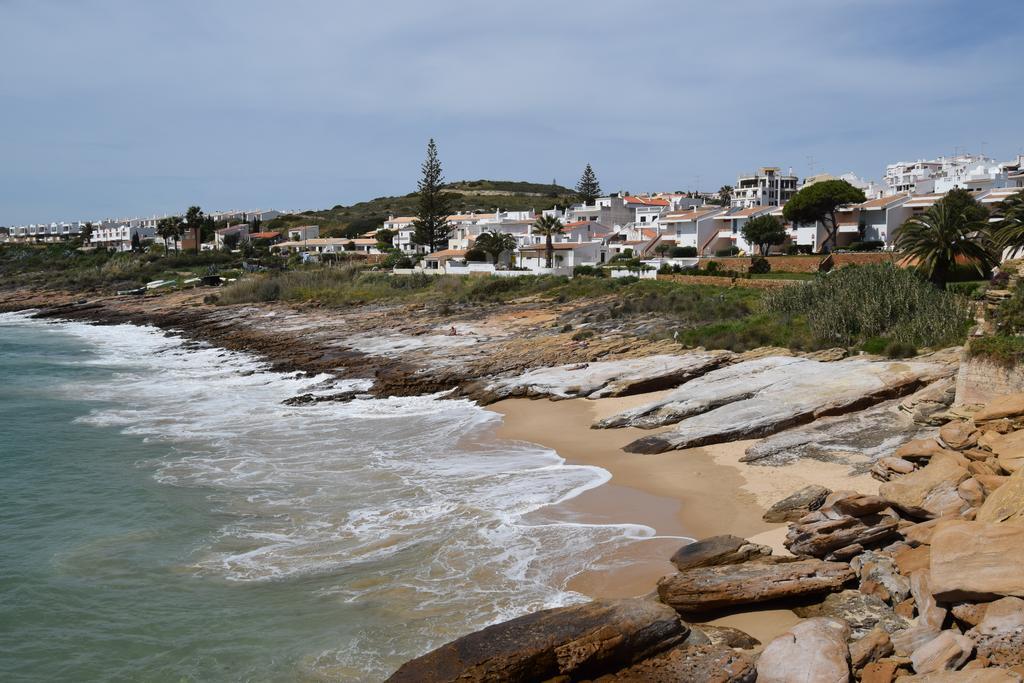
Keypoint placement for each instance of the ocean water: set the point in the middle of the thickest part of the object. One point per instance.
(165, 517)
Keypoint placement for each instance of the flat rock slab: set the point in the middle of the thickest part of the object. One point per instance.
(580, 641)
(718, 550)
(706, 663)
(601, 379)
(863, 613)
(977, 560)
(706, 589)
(765, 396)
(871, 433)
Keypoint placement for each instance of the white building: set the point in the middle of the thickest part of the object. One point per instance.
(964, 171)
(693, 227)
(565, 255)
(765, 187)
(303, 232)
(118, 236)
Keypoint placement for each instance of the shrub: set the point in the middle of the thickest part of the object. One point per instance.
(867, 245)
(582, 334)
(712, 267)
(853, 305)
(476, 256)
(999, 349)
(731, 251)
(895, 349)
(759, 265)
(683, 252)
(587, 271)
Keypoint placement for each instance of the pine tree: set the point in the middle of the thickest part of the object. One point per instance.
(588, 189)
(431, 228)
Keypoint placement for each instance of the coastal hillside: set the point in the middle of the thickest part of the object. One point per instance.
(467, 195)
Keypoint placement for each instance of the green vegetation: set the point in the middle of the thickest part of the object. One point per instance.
(588, 189)
(819, 202)
(858, 304)
(548, 226)
(998, 348)
(764, 231)
(431, 228)
(63, 266)
(1009, 233)
(954, 229)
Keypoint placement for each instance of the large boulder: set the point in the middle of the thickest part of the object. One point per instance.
(930, 491)
(706, 663)
(813, 651)
(830, 538)
(880, 577)
(1007, 448)
(705, 589)
(1005, 503)
(863, 613)
(797, 504)
(946, 652)
(977, 560)
(716, 550)
(1009, 406)
(579, 641)
(871, 647)
(999, 636)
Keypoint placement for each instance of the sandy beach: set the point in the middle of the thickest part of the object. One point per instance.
(686, 494)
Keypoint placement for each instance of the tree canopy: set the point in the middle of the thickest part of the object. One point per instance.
(588, 189)
(819, 202)
(431, 227)
(1009, 233)
(764, 231)
(495, 243)
(952, 229)
(548, 226)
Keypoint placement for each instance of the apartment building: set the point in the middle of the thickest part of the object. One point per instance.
(767, 186)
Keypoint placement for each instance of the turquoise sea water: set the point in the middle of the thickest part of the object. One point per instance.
(165, 517)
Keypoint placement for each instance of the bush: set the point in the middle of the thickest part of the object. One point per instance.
(476, 256)
(731, 251)
(587, 271)
(897, 349)
(759, 265)
(798, 249)
(867, 245)
(853, 305)
(712, 267)
(683, 252)
(1000, 349)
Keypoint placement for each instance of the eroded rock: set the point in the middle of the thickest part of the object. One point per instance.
(813, 651)
(977, 560)
(579, 641)
(930, 491)
(797, 504)
(862, 612)
(948, 651)
(718, 550)
(711, 663)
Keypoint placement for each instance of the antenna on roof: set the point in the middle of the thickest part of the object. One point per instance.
(810, 164)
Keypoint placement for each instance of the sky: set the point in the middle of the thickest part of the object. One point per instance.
(114, 108)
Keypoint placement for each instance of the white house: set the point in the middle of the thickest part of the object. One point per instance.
(767, 186)
(727, 228)
(692, 228)
(566, 255)
(303, 232)
(118, 236)
(241, 230)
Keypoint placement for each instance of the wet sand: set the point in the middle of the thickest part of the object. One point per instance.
(684, 494)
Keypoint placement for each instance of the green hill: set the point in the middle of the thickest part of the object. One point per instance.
(467, 195)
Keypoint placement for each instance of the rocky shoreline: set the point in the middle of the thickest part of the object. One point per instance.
(918, 582)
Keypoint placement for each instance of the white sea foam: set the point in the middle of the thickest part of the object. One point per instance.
(406, 504)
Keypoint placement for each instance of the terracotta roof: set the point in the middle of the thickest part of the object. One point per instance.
(265, 235)
(883, 202)
(687, 215)
(646, 201)
(448, 253)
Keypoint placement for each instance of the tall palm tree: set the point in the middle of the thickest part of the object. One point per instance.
(496, 243)
(549, 226)
(1009, 232)
(169, 228)
(940, 235)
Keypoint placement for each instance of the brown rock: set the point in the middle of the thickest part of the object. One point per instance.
(859, 505)
(711, 588)
(814, 650)
(975, 676)
(1009, 406)
(972, 492)
(911, 560)
(888, 468)
(880, 672)
(928, 611)
(991, 482)
(930, 491)
(826, 538)
(880, 577)
(919, 449)
(716, 550)
(1008, 449)
(862, 613)
(1006, 503)
(728, 636)
(921, 534)
(977, 560)
(908, 640)
(976, 454)
(958, 435)
(946, 652)
(579, 641)
(798, 504)
(873, 646)
(712, 663)
(970, 613)
(999, 635)
(905, 609)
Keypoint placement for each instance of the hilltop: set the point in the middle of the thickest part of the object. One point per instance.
(467, 195)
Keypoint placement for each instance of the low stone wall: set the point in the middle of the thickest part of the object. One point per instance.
(780, 264)
(862, 258)
(728, 281)
(980, 380)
